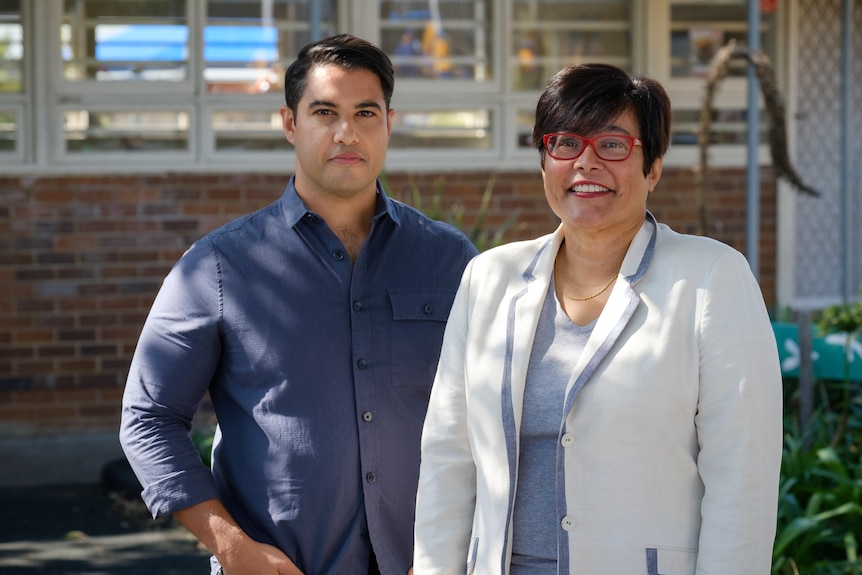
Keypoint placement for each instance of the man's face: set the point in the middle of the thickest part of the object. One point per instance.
(340, 132)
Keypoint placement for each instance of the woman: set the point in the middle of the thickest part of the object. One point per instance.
(608, 399)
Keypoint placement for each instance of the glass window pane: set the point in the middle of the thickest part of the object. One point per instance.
(700, 28)
(727, 126)
(525, 120)
(11, 47)
(248, 44)
(549, 35)
(246, 130)
(8, 131)
(125, 40)
(88, 131)
(449, 129)
(448, 39)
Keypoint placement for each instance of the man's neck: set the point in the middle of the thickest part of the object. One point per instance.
(349, 218)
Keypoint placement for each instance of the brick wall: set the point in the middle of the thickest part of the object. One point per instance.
(81, 258)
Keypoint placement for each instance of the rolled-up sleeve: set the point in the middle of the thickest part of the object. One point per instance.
(173, 364)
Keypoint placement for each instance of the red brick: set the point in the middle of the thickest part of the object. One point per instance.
(56, 228)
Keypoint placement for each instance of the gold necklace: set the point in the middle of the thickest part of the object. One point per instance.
(595, 295)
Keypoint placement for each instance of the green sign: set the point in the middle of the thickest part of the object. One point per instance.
(828, 353)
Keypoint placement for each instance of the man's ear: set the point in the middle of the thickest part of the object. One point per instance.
(288, 124)
(390, 115)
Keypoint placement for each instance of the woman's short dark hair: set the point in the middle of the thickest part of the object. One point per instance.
(343, 50)
(584, 99)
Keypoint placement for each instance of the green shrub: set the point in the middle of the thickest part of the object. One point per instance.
(819, 510)
(482, 236)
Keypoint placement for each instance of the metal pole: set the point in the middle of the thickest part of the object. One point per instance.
(314, 20)
(806, 370)
(752, 233)
(846, 71)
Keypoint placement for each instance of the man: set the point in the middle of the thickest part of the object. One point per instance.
(315, 324)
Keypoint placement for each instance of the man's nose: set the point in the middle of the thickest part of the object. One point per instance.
(346, 133)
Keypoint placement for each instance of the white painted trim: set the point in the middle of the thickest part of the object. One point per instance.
(786, 210)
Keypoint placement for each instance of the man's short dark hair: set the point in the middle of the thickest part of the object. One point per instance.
(343, 50)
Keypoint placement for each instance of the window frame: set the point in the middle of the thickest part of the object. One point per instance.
(161, 157)
(90, 87)
(21, 102)
(16, 156)
(47, 95)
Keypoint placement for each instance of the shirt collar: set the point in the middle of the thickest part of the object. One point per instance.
(294, 208)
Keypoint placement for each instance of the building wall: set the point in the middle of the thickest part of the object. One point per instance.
(81, 258)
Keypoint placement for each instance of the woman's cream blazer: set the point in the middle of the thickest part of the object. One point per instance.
(670, 437)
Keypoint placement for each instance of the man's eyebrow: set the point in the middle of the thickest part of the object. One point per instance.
(369, 104)
(321, 104)
(359, 106)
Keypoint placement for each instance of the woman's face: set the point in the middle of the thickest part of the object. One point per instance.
(593, 195)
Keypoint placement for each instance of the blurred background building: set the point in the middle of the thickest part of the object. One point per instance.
(129, 128)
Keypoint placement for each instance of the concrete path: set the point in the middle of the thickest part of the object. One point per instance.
(85, 530)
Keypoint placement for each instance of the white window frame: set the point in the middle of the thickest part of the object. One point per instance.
(215, 104)
(142, 158)
(16, 156)
(46, 96)
(456, 158)
(20, 103)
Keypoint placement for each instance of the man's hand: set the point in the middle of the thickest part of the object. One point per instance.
(237, 553)
(254, 558)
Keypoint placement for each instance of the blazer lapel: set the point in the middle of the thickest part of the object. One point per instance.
(619, 309)
(524, 311)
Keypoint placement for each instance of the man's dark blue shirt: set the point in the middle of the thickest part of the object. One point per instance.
(319, 371)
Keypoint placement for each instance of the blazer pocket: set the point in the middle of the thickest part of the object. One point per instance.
(471, 556)
(670, 561)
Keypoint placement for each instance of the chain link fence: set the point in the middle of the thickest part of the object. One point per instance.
(828, 227)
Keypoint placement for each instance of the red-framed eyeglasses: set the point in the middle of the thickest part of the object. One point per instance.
(609, 147)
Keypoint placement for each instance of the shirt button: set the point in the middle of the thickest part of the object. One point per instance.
(361, 364)
(311, 217)
(367, 416)
(428, 309)
(568, 523)
(568, 439)
(370, 477)
(357, 306)
(338, 255)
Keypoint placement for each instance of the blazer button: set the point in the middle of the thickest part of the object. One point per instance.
(568, 523)
(567, 440)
